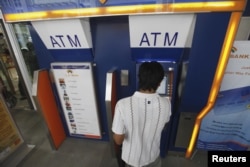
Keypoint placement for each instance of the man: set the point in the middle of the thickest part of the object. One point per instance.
(140, 119)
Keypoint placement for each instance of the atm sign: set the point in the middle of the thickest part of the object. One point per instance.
(158, 39)
(62, 41)
(75, 33)
(161, 31)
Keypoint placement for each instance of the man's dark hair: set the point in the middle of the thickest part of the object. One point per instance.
(150, 75)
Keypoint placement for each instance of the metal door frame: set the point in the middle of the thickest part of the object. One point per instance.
(17, 54)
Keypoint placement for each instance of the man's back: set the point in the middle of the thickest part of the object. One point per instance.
(139, 119)
(143, 118)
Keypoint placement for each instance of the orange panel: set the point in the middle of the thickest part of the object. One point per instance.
(49, 109)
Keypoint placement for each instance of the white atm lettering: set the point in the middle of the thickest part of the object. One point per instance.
(62, 41)
(167, 41)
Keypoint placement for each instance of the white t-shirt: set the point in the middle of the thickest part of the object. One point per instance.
(141, 118)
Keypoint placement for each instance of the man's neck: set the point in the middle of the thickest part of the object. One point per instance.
(147, 91)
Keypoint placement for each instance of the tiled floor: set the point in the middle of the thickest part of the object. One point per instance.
(76, 152)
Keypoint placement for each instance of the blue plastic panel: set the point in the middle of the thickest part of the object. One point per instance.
(160, 54)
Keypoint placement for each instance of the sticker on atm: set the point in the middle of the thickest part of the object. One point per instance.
(233, 101)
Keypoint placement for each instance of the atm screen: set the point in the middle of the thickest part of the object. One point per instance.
(162, 89)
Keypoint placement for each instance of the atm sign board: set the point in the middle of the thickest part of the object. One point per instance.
(64, 34)
(75, 86)
(161, 31)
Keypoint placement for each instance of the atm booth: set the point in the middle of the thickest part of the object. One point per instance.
(93, 52)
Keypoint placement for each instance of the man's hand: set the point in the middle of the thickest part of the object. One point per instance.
(118, 138)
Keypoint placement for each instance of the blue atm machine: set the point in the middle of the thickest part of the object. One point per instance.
(156, 34)
(168, 44)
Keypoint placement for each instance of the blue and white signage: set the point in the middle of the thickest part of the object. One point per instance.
(226, 126)
(65, 34)
(75, 86)
(161, 31)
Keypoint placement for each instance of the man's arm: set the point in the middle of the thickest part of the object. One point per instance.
(118, 138)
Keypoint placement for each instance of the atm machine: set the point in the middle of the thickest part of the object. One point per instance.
(168, 44)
